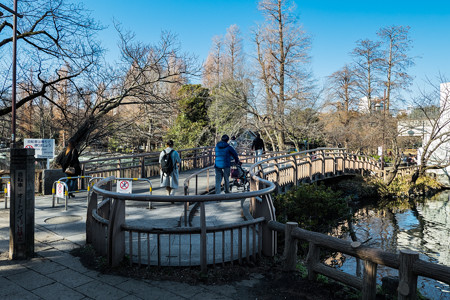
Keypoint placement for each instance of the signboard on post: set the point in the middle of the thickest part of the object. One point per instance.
(43, 148)
(60, 190)
(124, 186)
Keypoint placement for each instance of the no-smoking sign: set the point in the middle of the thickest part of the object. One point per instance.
(60, 190)
(124, 186)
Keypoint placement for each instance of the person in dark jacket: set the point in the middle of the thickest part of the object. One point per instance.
(224, 153)
(69, 161)
(258, 146)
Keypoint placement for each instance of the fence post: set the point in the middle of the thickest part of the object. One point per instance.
(92, 204)
(290, 247)
(194, 164)
(295, 179)
(116, 237)
(312, 259)
(323, 163)
(143, 175)
(407, 279)
(369, 289)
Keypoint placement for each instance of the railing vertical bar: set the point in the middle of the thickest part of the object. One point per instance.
(130, 241)
(190, 249)
(254, 242)
(139, 250)
(223, 247)
(260, 240)
(214, 249)
(231, 246)
(159, 249)
(179, 250)
(148, 249)
(247, 242)
(170, 242)
(240, 245)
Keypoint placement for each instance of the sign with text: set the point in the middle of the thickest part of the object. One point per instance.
(44, 148)
(124, 186)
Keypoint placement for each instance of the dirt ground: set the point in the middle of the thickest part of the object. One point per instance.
(268, 279)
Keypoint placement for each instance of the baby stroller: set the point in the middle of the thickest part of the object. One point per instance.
(240, 178)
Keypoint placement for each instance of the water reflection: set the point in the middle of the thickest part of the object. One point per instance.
(422, 226)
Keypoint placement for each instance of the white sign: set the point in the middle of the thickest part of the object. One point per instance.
(124, 186)
(8, 189)
(380, 150)
(60, 190)
(44, 148)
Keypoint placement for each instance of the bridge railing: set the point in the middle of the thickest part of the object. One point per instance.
(407, 262)
(282, 170)
(107, 227)
(313, 165)
(145, 164)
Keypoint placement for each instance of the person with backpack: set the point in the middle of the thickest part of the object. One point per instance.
(224, 153)
(169, 161)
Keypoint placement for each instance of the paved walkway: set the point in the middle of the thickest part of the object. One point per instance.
(55, 274)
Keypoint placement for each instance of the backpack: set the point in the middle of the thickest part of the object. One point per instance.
(167, 163)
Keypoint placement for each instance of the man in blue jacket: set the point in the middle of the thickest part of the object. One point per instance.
(224, 153)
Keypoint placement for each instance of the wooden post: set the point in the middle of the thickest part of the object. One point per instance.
(194, 163)
(92, 204)
(312, 259)
(323, 163)
(290, 247)
(203, 253)
(142, 159)
(407, 286)
(369, 290)
(116, 237)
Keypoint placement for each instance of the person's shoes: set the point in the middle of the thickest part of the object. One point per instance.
(71, 195)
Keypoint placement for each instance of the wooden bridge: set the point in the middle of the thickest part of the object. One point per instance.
(113, 235)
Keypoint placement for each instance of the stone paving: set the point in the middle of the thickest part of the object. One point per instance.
(55, 274)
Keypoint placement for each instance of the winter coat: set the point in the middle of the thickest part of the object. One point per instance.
(258, 144)
(224, 153)
(70, 160)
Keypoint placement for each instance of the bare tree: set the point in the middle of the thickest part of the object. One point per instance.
(367, 57)
(342, 95)
(214, 66)
(396, 60)
(282, 52)
(435, 118)
(234, 54)
(147, 75)
(52, 34)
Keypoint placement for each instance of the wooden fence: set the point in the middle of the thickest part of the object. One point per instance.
(407, 262)
(107, 226)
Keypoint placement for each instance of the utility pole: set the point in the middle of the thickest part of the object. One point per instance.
(21, 217)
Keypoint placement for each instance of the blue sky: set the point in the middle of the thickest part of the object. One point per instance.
(334, 26)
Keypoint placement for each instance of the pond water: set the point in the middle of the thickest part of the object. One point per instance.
(422, 226)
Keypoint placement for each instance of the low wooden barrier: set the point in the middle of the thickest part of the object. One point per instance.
(407, 262)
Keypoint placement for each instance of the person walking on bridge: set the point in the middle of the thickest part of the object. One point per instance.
(169, 161)
(224, 153)
(258, 146)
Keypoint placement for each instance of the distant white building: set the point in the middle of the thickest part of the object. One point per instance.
(376, 104)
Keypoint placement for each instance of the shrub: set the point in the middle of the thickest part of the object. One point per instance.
(314, 207)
